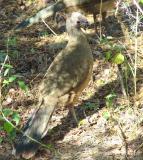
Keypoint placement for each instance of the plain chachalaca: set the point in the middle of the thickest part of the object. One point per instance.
(90, 6)
(65, 79)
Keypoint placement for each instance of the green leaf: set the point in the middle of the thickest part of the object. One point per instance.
(22, 85)
(109, 99)
(12, 78)
(8, 127)
(108, 55)
(90, 106)
(5, 82)
(1, 139)
(7, 65)
(141, 1)
(6, 71)
(7, 112)
(110, 96)
(118, 58)
(16, 118)
(1, 118)
(50, 146)
(104, 41)
(12, 134)
(82, 122)
(12, 41)
(106, 115)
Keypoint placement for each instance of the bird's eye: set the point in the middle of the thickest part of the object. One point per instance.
(78, 22)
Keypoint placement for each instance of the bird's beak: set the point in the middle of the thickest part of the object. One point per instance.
(83, 22)
(85, 25)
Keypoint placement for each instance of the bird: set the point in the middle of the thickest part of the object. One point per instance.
(65, 79)
(86, 6)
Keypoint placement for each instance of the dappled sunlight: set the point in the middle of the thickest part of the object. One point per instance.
(55, 42)
(109, 123)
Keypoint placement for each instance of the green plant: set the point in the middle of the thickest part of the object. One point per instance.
(9, 78)
(110, 99)
(43, 34)
(8, 119)
(115, 54)
(118, 58)
(12, 41)
(89, 106)
(141, 1)
(106, 115)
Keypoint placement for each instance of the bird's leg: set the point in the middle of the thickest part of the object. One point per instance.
(71, 101)
(74, 114)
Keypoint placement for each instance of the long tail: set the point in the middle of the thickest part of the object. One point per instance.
(42, 14)
(36, 128)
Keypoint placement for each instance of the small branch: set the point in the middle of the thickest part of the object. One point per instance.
(140, 146)
(131, 68)
(32, 139)
(117, 7)
(138, 6)
(49, 27)
(6, 58)
(122, 82)
(100, 21)
(124, 140)
(123, 136)
(136, 52)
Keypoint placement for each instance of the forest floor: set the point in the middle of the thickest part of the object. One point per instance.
(110, 124)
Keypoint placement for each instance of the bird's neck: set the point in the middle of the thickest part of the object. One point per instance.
(76, 35)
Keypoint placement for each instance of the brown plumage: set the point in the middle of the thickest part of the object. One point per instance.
(65, 79)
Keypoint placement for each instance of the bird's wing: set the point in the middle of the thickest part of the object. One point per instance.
(67, 71)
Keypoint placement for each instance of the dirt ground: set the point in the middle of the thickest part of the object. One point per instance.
(103, 132)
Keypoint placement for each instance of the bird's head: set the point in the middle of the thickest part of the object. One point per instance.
(76, 20)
